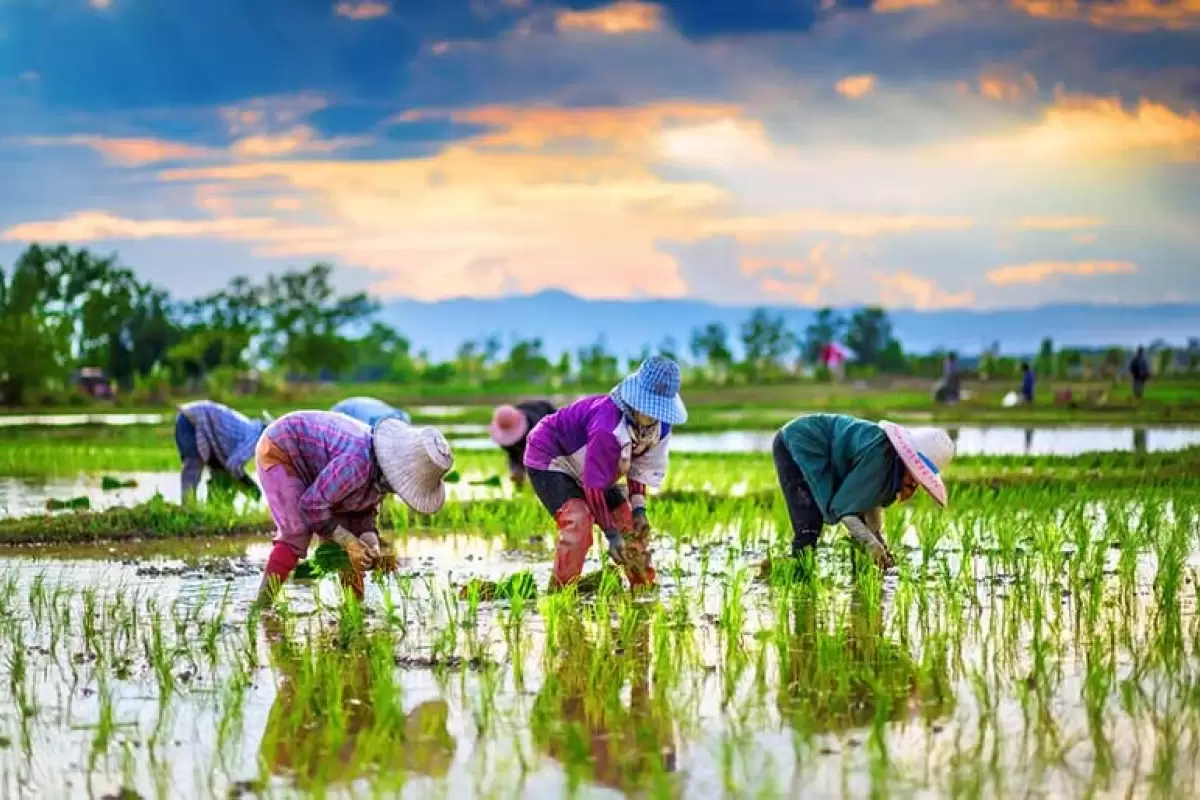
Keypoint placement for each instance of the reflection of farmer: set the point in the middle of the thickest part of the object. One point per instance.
(1139, 371)
(581, 719)
(321, 741)
(510, 430)
(370, 410)
(213, 435)
(326, 474)
(844, 675)
(577, 455)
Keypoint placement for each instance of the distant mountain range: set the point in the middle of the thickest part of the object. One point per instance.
(566, 323)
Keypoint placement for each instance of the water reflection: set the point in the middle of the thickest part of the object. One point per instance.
(582, 720)
(338, 715)
(975, 440)
(67, 420)
(841, 672)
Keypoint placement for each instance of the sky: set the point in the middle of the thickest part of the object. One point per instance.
(912, 153)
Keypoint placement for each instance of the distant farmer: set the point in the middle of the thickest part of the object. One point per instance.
(839, 469)
(1139, 371)
(576, 456)
(510, 430)
(213, 435)
(949, 388)
(370, 410)
(326, 474)
(1027, 383)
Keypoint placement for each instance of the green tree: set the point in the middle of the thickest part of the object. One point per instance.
(827, 327)
(766, 341)
(526, 362)
(35, 345)
(307, 320)
(869, 335)
(710, 345)
(597, 367)
(382, 354)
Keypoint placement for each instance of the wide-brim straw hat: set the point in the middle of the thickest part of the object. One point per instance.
(415, 462)
(926, 452)
(509, 426)
(654, 391)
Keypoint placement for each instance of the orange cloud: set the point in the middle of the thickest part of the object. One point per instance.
(621, 17)
(1053, 223)
(90, 226)
(920, 293)
(533, 128)
(129, 152)
(753, 228)
(367, 9)
(817, 271)
(1039, 271)
(856, 86)
(300, 139)
(1001, 88)
(1081, 128)
(1132, 15)
(893, 6)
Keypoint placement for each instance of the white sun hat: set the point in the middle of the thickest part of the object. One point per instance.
(926, 452)
(415, 462)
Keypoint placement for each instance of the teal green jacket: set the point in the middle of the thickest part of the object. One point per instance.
(849, 464)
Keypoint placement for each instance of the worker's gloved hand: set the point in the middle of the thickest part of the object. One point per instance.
(641, 523)
(616, 546)
(870, 541)
(370, 540)
(360, 559)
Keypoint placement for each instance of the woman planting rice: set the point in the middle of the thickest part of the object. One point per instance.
(835, 468)
(576, 456)
(327, 474)
(370, 410)
(214, 435)
(510, 429)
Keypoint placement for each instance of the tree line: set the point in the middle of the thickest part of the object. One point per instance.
(63, 308)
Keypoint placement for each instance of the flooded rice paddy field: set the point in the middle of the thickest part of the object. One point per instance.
(1032, 642)
(1039, 638)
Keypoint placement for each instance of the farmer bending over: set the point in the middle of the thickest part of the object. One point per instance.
(576, 456)
(327, 474)
(835, 468)
(370, 410)
(213, 435)
(510, 429)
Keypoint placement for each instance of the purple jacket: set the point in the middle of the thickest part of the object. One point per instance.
(590, 441)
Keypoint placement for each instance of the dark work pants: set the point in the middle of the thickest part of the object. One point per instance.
(805, 517)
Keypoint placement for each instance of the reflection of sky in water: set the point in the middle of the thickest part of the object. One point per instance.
(972, 440)
(21, 497)
(14, 420)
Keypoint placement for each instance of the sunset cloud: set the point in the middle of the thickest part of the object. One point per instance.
(850, 225)
(93, 226)
(1058, 223)
(1003, 88)
(128, 152)
(856, 86)
(906, 289)
(1040, 271)
(1081, 128)
(361, 11)
(1130, 15)
(618, 18)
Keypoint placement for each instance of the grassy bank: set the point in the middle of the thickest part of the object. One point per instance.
(706, 493)
(745, 407)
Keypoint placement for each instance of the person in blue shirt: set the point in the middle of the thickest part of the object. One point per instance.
(370, 410)
(1027, 383)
